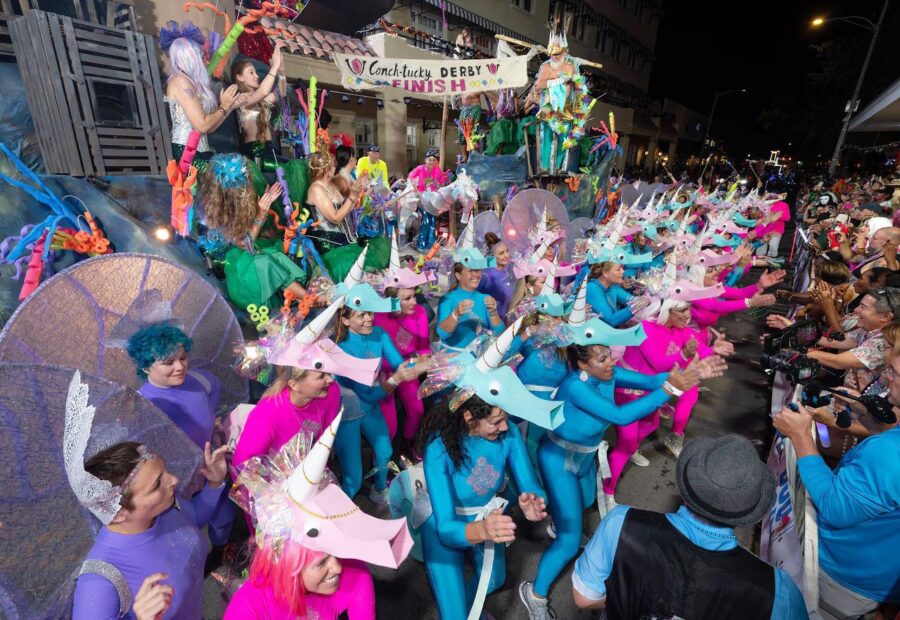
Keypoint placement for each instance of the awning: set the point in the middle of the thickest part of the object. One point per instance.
(469, 16)
(883, 114)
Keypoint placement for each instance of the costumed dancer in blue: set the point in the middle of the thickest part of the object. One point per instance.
(568, 456)
(468, 448)
(605, 293)
(542, 369)
(463, 310)
(356, 334)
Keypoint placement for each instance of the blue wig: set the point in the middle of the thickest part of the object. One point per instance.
(155, 342)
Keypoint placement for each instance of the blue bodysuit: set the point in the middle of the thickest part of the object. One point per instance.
(444, 533)
(348, 444)
(467, 327)
(567, 456)
(610, 304)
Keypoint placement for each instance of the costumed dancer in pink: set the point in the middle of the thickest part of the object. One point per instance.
(429, 176)
(312, 541)
(706, 312)
(408, 330)
(670, 343)
(304, 396)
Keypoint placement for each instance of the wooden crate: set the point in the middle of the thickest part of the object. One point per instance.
(95, 95)
(10, 10)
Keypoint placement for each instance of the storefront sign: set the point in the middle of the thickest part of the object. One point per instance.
(432, 78)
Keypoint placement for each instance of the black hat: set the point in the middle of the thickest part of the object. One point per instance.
(723, 479)
(374, 148)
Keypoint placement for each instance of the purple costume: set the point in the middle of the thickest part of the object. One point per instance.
(499, 284)
(174, 545)
(192, 407)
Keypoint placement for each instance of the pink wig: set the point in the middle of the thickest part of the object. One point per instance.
(186, 58)
(280, 569)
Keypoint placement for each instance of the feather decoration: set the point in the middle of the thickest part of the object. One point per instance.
(230, 170)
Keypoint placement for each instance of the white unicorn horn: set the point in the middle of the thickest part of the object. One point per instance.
(578, 315)
(539, 252)
(493, 356)
(315, 328)
(547, 287)
(304, 481)
(356, 272)
(395, 253)
(467, 239)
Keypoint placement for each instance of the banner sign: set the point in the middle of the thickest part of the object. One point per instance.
(432, 78)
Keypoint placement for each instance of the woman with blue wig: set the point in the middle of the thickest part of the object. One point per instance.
(189, 397)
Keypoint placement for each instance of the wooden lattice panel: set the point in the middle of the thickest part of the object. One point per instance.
(95, 95)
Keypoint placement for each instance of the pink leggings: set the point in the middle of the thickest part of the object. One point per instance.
(408, 392)
(355, 595)
(629, 437)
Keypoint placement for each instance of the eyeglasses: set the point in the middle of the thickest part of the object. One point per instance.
(883, 294)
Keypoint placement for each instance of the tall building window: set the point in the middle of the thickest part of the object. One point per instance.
(525, 5)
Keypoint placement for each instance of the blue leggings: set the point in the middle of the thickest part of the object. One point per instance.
(446, 566)
(348, 448)
(569, 494)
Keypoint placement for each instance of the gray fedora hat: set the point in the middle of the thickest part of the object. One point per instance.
(723, 479)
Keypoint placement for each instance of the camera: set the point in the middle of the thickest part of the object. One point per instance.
(784, 351)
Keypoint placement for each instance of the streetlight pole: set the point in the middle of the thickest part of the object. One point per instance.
(851, 107)
(712, 114)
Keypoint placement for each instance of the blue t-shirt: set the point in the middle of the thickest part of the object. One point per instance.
(594, 566)
(858, 512)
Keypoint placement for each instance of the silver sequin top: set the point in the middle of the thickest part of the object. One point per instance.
(181, 126)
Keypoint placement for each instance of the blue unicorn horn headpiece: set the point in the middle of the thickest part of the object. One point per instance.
(361, 296)
(585, 331)
(466, 252)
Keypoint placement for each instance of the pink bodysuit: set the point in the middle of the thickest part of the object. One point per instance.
(659, 352)
(706, 312)
(275, 420)
(355, 595)
(409, 334)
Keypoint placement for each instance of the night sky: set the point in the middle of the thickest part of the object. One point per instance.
(765, 46)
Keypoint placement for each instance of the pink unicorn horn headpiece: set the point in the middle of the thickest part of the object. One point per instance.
(288, 501)
(403, 277)
(310, 350)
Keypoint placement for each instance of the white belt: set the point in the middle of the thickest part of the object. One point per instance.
(531, 387)
(487, 563)
(602, 449)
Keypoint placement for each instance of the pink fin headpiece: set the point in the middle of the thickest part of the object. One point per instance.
(403, 277)
(310, 349)
(290, 498)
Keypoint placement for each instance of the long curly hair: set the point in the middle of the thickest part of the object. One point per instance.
(451, 427)
(262, 120)
(230, 211)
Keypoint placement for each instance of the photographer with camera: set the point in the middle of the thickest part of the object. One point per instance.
(858, 513)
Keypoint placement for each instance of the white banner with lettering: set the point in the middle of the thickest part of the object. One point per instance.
(432, 78)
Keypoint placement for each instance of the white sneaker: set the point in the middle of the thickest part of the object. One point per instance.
(608, 503)
(639, 459)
